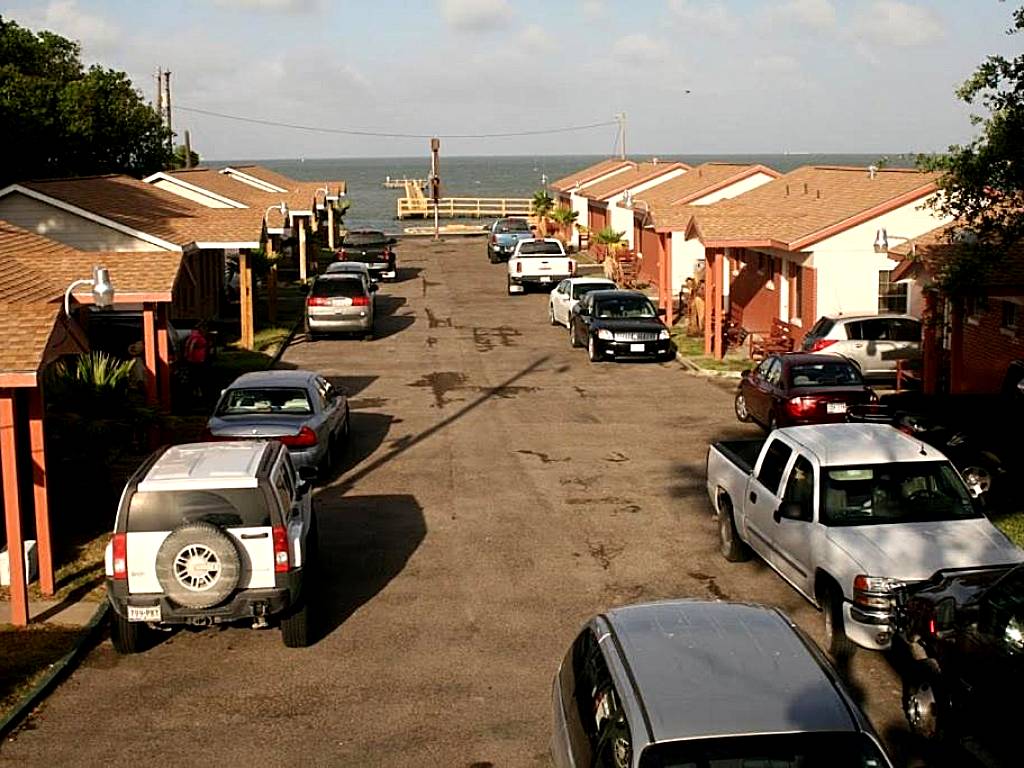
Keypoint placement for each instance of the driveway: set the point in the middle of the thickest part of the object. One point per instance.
(499, 490)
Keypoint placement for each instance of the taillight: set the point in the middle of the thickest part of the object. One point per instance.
(317, 301)
(820, 344)
(120, 551)
(281, 559)
(519, 266)
(802, 406)
(494, 239)
(361, 301)
(306, 438)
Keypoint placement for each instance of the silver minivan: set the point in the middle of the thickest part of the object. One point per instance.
(340, 303)
(874, 342)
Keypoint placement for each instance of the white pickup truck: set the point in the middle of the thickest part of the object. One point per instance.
(846, 513)
(542, 262)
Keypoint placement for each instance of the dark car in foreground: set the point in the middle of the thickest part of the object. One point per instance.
(791, 389)
(374, 249)
(300, 408)
(619, 324)
(695, 683)
(965, 633)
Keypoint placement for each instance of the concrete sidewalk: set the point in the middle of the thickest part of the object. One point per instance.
(75, 614)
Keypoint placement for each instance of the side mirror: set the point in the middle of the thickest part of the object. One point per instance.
(661, 312)
(790, 510)
(307, 475)
(373, 287)
(302, 489)
(746, 374)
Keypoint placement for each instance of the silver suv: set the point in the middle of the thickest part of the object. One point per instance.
(695, 683)
(210, 533)
(874, 342)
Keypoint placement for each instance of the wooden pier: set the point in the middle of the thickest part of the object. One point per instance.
(417, 205)
(390, 183)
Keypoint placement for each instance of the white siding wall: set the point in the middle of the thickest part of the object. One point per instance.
(733, 190)
(848, 267)
(189, 194)
(579, 203)
(685, 255)
(621, 219)
(65, 227)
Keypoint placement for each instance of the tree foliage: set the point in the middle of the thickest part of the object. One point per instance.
(61, 119)
(178, 160)
(983, 181)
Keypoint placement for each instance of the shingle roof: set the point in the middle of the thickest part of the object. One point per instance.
(295, 185)
(700, 181)
(807, 205)
(588, 174)
(640, 173)
(26, 328)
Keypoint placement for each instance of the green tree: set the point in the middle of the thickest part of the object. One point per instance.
(983, 181)
(64, 120)
(178, 160)
(565, 217)
(540, 206)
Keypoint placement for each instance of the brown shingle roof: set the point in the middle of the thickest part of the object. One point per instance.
(588, 174)
(700, 181)
(807, 205)
(640, 173)
(280, 180)
(26, 328)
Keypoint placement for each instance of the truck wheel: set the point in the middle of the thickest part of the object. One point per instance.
(924, 701)
(592, 352)
(573, 341)
(295, 625)
(198, 565)
(510, 287)
(127, 636)
(551, 315)
(836, 641)
(741, 408)
(730, 544)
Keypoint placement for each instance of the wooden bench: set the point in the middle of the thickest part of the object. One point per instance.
(781, 339)
(627, 267)
(908, 372)
(735, 333)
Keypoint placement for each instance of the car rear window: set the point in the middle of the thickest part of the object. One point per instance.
(821, 328)
(238, 402)
(223, 507)
(339, 287)
(582, 289)
(837, 374)
(365, 238)
(514, 225)
(540, 248)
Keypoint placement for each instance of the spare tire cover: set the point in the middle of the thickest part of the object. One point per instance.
(198, 565)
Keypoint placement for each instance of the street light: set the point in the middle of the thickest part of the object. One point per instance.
(283, 208)
(882, 242)
(102, 289)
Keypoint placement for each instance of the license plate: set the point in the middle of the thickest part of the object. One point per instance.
(637, 347)
(143, 613)
(835, 407)
(341, 302)
(545, 279)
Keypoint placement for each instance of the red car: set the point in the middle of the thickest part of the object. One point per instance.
(792, 389)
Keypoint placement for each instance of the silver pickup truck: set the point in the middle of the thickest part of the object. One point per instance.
(846, 513)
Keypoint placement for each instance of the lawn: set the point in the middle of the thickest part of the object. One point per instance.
(1012, 524)
(26, 653)
(692, 348)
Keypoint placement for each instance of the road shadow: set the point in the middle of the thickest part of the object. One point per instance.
(364, 542)
(389, 325)
(351, 385)
(388, 305)
(407, 273)
(366, 434)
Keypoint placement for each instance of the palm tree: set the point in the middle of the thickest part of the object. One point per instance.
(565, 217)
(611, 240)
(540, 207)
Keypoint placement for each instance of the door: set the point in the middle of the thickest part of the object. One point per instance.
(759, 388)
(794, 526)
(763, 498)
(560, 302)
(581, 320)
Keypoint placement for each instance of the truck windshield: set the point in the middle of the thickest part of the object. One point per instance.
(540, 248)
(513, 225)
(904, 492)
(787, 750)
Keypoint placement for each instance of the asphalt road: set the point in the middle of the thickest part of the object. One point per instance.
(499, 490)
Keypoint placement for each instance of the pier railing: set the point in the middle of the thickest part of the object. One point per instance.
(463, 207)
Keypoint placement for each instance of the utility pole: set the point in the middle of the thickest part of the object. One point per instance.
(158, 101)
(188, 150)
(435, 182)
(167, 107)
(621, 117)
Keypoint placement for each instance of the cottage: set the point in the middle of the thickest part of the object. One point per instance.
(802, 246)
(569, 189)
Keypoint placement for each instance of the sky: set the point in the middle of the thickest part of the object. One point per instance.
(691, 76)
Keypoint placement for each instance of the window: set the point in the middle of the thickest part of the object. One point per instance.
(796, 291)
(827, 374)
(975, 307)
(774, 375)
(599, 706)
(800, 488)
(770, 474)
(892, 297)
(1010, 312)
(224, 507)
(243, 402)
(283, 486)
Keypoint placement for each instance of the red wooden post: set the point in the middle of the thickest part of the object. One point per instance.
(665, 245)
(709, 301)
(12, 509)
(163, 357)
(37, 447)
(149, 343)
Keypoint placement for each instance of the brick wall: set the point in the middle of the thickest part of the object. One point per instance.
(749, 289)
(989, 349)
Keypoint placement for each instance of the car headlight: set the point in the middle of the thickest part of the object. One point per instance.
(663, 334)
(605, 334)
(875, 591)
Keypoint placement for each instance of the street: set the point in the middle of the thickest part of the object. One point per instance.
(499, 489)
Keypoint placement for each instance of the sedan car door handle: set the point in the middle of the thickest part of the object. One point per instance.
(255, 535)
(753, 498)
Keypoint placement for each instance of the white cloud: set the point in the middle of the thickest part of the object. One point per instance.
(273, 6)
(776, 64)
(895, 23)
(638, 48)
(65, 18)
(535, 39)
(474, 14)
(593, 9)
(704, 16)
(817, 14)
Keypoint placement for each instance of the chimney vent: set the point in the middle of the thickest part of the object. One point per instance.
(805, 187)
(819, 194)
(787, 190)
(872, 171)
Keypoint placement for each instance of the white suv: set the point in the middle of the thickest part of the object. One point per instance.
(542, 262)
(876, 343)
(209, 533)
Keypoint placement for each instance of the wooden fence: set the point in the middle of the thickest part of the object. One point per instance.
(463, 207)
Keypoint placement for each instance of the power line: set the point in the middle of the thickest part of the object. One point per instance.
(382, 134)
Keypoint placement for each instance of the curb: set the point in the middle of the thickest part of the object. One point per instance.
(285, 343)
(698, 371)
(54, 674)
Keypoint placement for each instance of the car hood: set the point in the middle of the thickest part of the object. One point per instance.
(264, 425)
(915, 551)
(628, 324)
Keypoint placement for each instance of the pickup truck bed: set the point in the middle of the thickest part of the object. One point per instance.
(742, 453)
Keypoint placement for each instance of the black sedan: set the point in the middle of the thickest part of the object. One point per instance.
(618, 324)
(798, 388)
